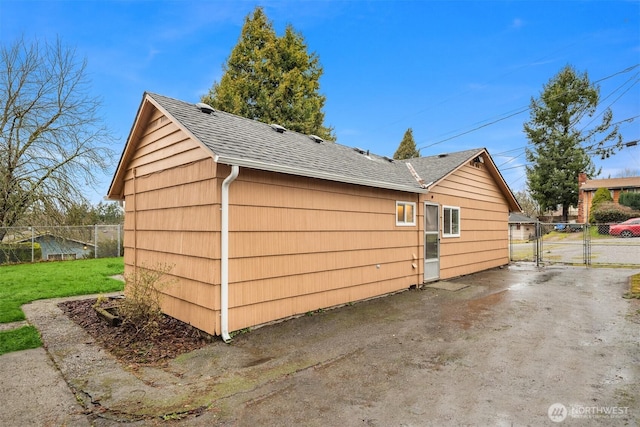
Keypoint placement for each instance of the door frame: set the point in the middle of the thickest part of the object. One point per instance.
(431, 270)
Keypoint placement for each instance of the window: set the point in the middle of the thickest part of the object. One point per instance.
(450, 221)
(405, 213)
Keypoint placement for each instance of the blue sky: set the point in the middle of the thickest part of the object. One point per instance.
(453, 71)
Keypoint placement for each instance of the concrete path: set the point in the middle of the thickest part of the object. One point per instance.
(12, 325)
(34, 393)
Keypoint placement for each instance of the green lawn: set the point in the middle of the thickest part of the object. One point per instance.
(22, 283)
(19, 339)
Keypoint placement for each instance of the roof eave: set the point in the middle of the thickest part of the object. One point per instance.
(252, 164)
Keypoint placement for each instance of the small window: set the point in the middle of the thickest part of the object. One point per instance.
(405, 213)
(450, 221)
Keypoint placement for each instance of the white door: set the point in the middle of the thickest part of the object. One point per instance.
(431, 242)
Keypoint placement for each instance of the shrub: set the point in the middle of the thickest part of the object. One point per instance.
(611, 212)
(631, 200)
(141, 306)
(602, 195)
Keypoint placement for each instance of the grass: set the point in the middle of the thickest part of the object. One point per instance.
(634, 287)
(23, 283)
(19, 339)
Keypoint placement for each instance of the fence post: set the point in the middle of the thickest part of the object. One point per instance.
(538, 243)
(95, 240)
(33, 238)
(119, 229)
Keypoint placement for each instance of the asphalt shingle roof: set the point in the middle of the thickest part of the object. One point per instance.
(245, 142)
(515, 218)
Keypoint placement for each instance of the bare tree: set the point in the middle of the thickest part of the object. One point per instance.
(529, 206)
(52, 139)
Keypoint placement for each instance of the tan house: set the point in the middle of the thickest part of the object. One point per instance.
(261, 223)
(587, 189)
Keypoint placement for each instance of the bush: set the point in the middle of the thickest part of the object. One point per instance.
(609, 212)
(631, 200)
(601, 196)
(141, 306)
(19, 252)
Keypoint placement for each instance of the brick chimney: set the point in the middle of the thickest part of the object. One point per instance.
(582, 179)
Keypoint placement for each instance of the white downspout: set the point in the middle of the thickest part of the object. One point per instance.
(224, 254)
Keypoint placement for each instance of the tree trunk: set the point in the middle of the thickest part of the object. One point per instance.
(565, 213)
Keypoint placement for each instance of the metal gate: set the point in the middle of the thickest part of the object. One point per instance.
(576, 244)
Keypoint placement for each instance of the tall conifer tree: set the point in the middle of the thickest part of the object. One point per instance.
(407, 148)
(272, 79)
(559, 141)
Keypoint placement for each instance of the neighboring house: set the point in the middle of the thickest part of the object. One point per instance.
(521, 227)
(260, 223)
(61, 248)
(587, 188)
(555, 215)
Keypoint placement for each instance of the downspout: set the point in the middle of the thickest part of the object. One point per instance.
(224, 254)
(421, 235)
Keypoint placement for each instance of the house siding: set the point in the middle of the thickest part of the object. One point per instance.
(172, 218)
(484, 211)
(300, 244)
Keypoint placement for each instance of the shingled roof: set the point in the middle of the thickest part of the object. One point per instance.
(235, 140)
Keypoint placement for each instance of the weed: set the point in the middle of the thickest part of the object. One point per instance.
(100, 300)
(172, 417)
(634, 287)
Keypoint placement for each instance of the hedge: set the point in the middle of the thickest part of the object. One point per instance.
(631, 200)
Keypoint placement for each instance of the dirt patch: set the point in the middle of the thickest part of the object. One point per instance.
(132, 347)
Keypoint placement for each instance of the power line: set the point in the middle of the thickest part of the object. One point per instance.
(524, 109)
(475, 129)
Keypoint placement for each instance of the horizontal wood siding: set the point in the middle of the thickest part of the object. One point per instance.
(299, 244)
(172, 218)
(484, 212)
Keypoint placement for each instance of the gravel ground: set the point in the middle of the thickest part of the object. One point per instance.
(514, 346)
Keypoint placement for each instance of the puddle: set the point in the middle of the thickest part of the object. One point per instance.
(468, 313)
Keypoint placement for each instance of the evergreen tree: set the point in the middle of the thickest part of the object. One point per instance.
(272, 79)
(559, 144)
(407, 148)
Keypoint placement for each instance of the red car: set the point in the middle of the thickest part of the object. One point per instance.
(629, 228)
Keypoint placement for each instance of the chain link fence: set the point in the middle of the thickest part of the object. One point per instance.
(49, 243)
(577, 244)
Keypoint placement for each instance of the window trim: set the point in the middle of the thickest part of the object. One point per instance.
(445, 229)
(406, 223)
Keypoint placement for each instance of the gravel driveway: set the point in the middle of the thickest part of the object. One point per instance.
(513, 346)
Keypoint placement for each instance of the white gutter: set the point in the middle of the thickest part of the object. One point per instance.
(224, 254)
